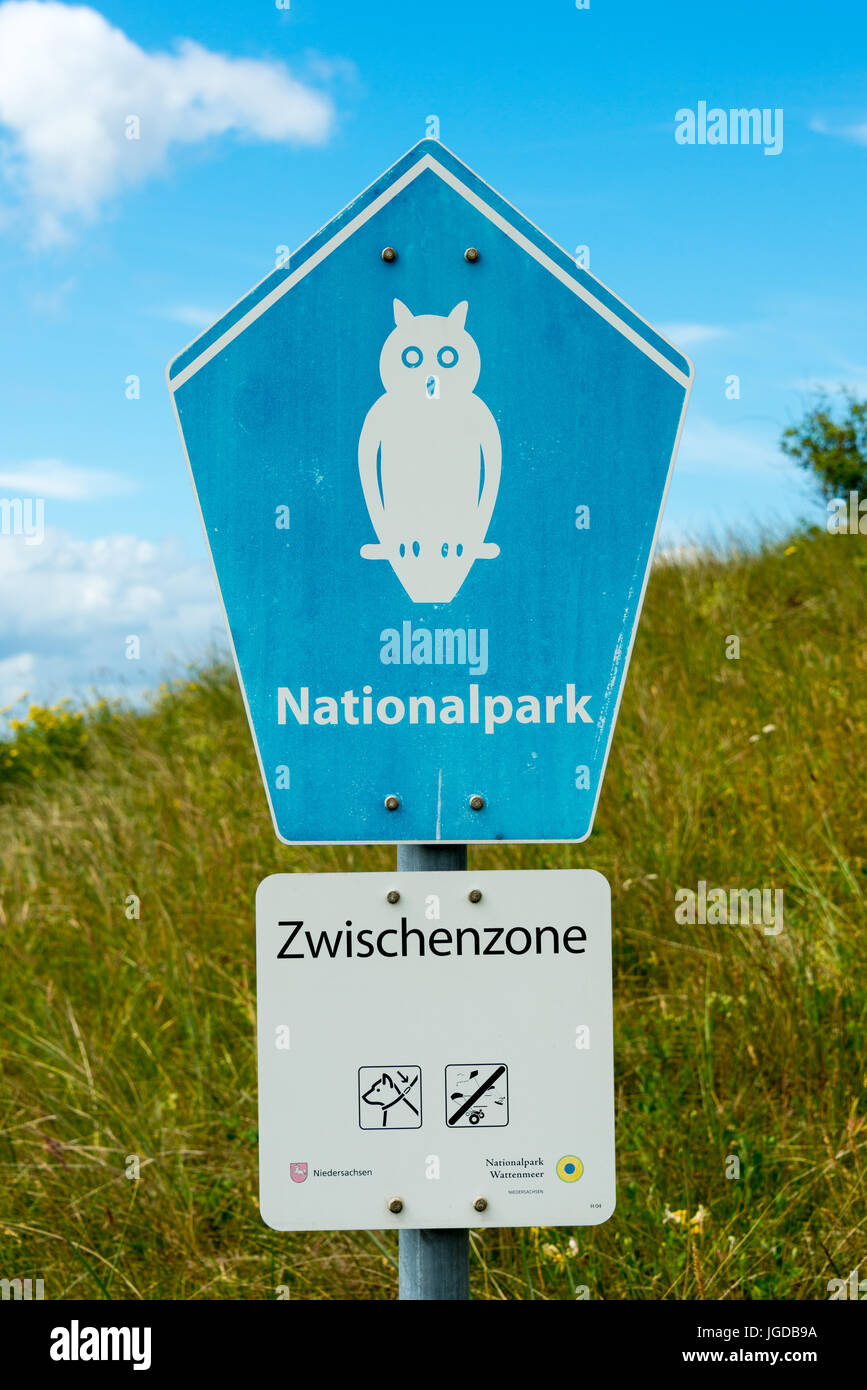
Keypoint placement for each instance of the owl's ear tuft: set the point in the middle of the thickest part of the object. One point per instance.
(401, 313)
(458, 314)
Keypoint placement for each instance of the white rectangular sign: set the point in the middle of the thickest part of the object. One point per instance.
(435, 1049)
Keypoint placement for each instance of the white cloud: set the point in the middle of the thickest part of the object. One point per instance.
(57, 481)
(688, 335)
(857, 133)
(67, 607)
(192, 315)
(850, 378)
(52, 302)
(70, 81)
(708, 448)
(16, 674)
(673, 551)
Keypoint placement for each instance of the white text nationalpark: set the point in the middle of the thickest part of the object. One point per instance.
(490, 710)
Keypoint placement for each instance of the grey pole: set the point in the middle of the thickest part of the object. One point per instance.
(433, 1264)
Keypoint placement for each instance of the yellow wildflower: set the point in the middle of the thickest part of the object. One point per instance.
(697, 1222)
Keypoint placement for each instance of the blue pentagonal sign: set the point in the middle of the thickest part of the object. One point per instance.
(431, 454)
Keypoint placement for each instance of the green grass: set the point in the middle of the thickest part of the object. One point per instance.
(124, 1036)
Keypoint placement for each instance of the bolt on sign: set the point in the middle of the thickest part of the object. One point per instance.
(435, 1049)
(430, 453)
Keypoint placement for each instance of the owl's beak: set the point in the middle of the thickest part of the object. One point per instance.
(432, 387)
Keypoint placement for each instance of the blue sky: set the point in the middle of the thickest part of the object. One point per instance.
(258, 123)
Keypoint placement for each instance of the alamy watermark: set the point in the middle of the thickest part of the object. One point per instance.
(77, 1343)
(737, 126)
(23, 516)
(847, 518)
(22, 1289)
(720, 907)
(852, 1287)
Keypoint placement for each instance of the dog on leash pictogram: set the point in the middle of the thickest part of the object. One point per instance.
(389, 1097)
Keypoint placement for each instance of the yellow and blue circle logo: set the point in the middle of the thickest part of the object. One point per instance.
(570, 1168)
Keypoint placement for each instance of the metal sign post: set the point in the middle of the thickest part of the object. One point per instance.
(433, 1264)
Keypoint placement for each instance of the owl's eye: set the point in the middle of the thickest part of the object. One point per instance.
(447, 356)
(411, 356)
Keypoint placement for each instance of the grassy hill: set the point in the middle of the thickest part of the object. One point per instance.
(125, 1035)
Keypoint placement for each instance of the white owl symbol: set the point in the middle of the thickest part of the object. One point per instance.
(429, 456)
